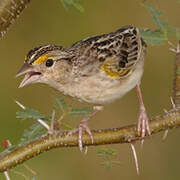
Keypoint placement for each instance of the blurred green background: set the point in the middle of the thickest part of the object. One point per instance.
(45, 22)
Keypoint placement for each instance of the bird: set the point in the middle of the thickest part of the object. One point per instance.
(96, 70)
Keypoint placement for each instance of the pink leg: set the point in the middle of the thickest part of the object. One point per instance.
(83, 127)
(143, 121)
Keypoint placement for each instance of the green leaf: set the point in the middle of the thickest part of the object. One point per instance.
(164, 29)
(34, 131)
(115, 162)
(80, 111)
(151, 37)
(30, 114)
(74, 3)
(109, 164)
(106, 152)
(156, 16)
(78, 7)
(178, 94)
(60, 103)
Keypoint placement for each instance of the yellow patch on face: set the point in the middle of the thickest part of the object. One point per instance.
(111, 70)
(41, 59)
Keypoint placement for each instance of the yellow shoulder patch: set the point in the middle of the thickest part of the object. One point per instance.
(106, 67)
(41, 59)
(111, 70)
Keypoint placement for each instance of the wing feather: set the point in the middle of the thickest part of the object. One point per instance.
(117, 52)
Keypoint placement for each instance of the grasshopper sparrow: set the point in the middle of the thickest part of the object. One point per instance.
(97, 70)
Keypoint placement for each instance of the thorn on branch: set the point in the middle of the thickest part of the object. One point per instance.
(29, 169)
(6, 175)
(20, 105)
(165, 135)
(175, 49)
(173, 104)
(44, 124)
(135, 157)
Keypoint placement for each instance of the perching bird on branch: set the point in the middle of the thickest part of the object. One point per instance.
(97, 70)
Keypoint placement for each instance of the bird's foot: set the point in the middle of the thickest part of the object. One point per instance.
(83, 127)
(143, 124)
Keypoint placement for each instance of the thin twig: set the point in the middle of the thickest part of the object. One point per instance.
(176, 80)
(175, 99)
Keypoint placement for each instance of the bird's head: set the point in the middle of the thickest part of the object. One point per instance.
(45, 64)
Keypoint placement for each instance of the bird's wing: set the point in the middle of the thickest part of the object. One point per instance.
(115, 53)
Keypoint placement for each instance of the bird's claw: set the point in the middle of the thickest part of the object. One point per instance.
(80, 130)
(143, 124)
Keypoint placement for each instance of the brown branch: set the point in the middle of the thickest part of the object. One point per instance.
(9, 12)
(176, 80)
(105, 136)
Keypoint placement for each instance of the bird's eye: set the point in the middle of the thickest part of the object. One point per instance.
(49, 62)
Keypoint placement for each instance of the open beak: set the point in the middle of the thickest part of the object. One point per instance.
(31, 76)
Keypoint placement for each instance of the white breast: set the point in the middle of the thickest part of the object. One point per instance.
(99, 89)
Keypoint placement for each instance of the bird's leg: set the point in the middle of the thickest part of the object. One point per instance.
(143, 120)
(83, 127)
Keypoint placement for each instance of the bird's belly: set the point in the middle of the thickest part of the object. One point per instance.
(101, 89)
(101, 94)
